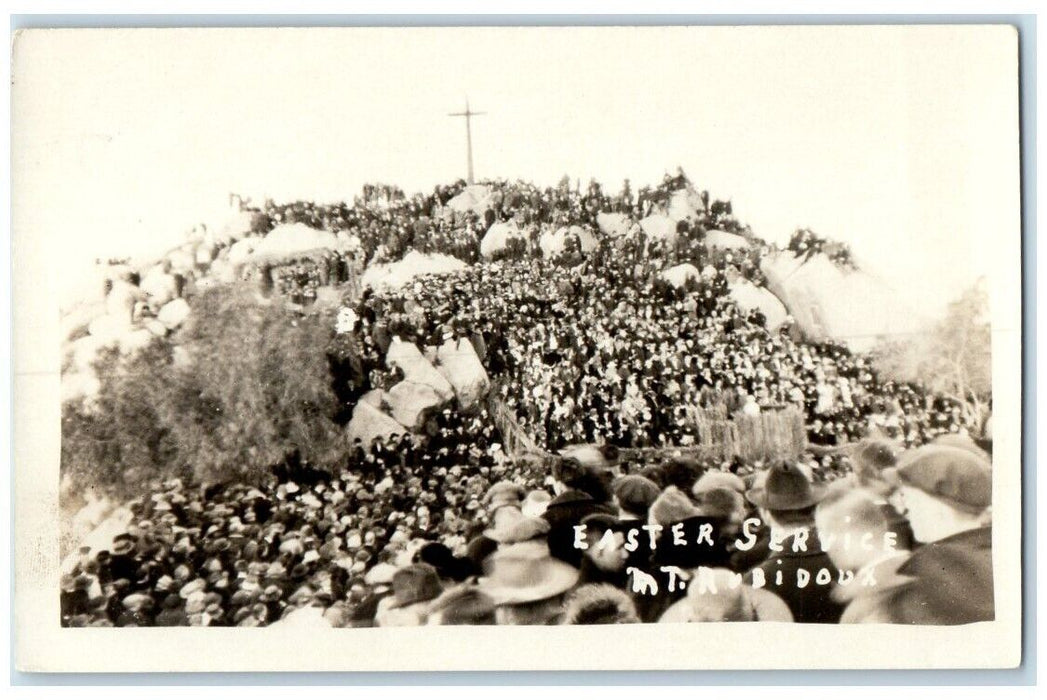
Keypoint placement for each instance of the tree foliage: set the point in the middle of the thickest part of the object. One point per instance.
(954, 359)
(254, 392)
(960, 361)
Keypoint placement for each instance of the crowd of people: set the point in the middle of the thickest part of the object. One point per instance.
(300, 278)
(446, 526)
(443, 529)
(806, 243)
(610, 353)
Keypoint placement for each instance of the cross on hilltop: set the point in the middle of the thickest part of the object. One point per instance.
(468, 114)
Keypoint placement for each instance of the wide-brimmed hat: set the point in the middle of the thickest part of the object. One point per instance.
(786, 488)
(955, 475)
(524, 573)
(517, 528)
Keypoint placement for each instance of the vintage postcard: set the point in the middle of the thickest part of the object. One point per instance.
(517, 348)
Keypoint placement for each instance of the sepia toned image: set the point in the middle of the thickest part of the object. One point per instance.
(491, 340)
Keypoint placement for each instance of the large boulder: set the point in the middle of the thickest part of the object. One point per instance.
(497, 238)
(613, 225)
(107, 328)
(553, 243)
(236, 225)
(121, 299)
(829, 302)
(369, 423)
(460, 365)
(685, 204)
(159, 286)
(223, 271)
(75, 322)
(416, 368)
(84, 351)
(241, 251)
(155, 327)
(659, 227)
(727, 241)
(375, 397)
(98, 533)
(182, 259)
(289, 240)
(206, 252)
(474, 198)
(414, 264)
(678, 275)
(173, 313)
(409, 403)
(748, 297)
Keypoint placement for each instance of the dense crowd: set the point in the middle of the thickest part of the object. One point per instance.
(613, 354)
(443, 529)
(593, 345)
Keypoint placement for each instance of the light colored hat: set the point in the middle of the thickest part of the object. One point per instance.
(525, 573)
(726, 598)
(718, 480)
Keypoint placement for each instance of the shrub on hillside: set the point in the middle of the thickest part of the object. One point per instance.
(255, 393)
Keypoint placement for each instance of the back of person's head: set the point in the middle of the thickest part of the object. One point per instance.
(593, 481)
(540, 612)
(681, 473)
(722, 503)
(870, 458)
(567, 470)
(857, 524)
(462, 605)
(635, 494)
(599, 604)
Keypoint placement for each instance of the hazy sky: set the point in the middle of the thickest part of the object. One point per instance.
(900, 141)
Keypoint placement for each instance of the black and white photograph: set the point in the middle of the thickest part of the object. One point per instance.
(521, 335)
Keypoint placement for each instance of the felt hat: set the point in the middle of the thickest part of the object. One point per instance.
(502, 494)
(720, 502)
(518, 528)
(536, 502)
(870, 457)
(951, 474)
(963, 442)
(636, 493)
(524, 573)
(786, 488)
(415, 583)
(672, 506)
(462, 605)
(380, 574)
